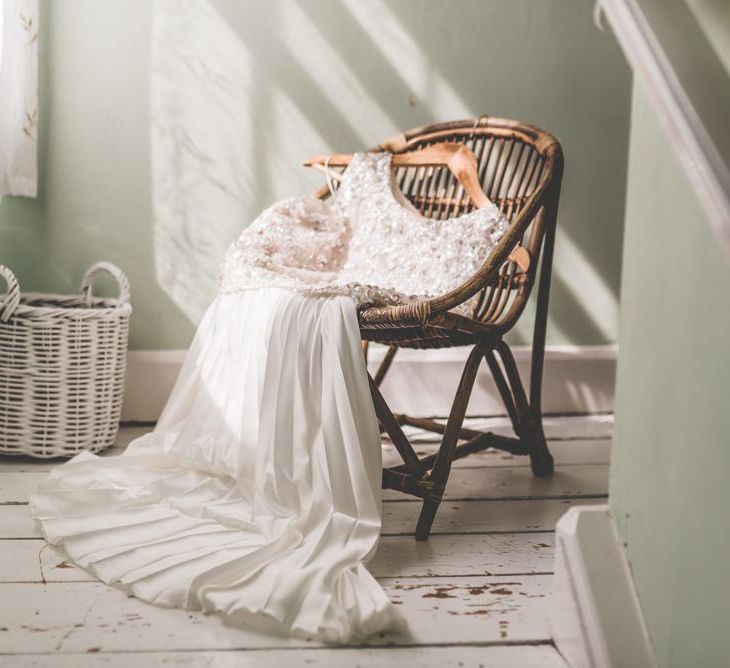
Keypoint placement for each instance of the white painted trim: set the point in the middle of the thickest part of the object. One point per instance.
(706, 169)
(521, 353)
(577, 379)
(596, 618)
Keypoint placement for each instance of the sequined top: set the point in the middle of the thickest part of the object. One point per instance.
(367, 242)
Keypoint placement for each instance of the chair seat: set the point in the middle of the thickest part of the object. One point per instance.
(417, 338)
(449, 330)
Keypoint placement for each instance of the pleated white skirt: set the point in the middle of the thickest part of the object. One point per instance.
(258, 493)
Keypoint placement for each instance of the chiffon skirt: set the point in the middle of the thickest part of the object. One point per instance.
(258, 493)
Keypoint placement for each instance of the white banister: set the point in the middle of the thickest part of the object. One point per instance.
(681, 115)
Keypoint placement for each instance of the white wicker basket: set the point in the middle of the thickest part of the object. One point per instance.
(62, 363)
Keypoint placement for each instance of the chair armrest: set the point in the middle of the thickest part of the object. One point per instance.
(404, 315)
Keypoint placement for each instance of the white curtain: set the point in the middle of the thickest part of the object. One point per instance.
(18, 97)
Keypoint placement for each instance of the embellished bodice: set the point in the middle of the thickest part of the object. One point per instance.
(367, 242)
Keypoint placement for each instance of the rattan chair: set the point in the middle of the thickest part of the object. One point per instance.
(520, 168)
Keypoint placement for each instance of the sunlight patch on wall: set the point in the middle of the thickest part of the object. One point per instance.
(407, 57)
(200, 142)
(592, 296)
(217, 128)
(336, 83)
(522, 332)
(590, 290)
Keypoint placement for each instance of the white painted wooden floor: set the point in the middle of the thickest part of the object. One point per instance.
(475, 594)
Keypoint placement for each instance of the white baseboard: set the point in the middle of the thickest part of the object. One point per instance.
(577, 379)
(596, 619)
(150, 377)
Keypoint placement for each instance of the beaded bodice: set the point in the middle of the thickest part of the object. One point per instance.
(367, 242)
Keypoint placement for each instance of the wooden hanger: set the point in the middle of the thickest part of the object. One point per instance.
(460, 160)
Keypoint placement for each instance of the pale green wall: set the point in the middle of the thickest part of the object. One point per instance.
(168, 125)
(669, 481)
(714, 18)
(669, 488)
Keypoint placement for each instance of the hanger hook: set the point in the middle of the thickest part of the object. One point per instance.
(599, 13)
(328, 174)
(477, 123)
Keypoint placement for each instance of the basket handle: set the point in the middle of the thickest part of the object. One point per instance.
(10, 300)
(94, 270)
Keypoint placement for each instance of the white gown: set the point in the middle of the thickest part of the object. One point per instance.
(258, 492)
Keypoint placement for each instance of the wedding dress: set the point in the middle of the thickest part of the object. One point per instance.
(258, 492)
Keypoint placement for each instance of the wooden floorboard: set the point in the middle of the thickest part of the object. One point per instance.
(566, 453)
(474, 594)
(509, 656)
(15, 522)
(584, 480)
(83, 617)
(457, 517)
(559, 430)
(397, 556)
(479, 516)
(519, 483)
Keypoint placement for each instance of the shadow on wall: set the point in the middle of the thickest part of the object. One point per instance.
(240, 91)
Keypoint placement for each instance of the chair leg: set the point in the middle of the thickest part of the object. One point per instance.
(428, 514)
(442, 466)
(529, 418)
(385, 365)
(505, 390)
(541, 461)
(389, 424)
(540, 458)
